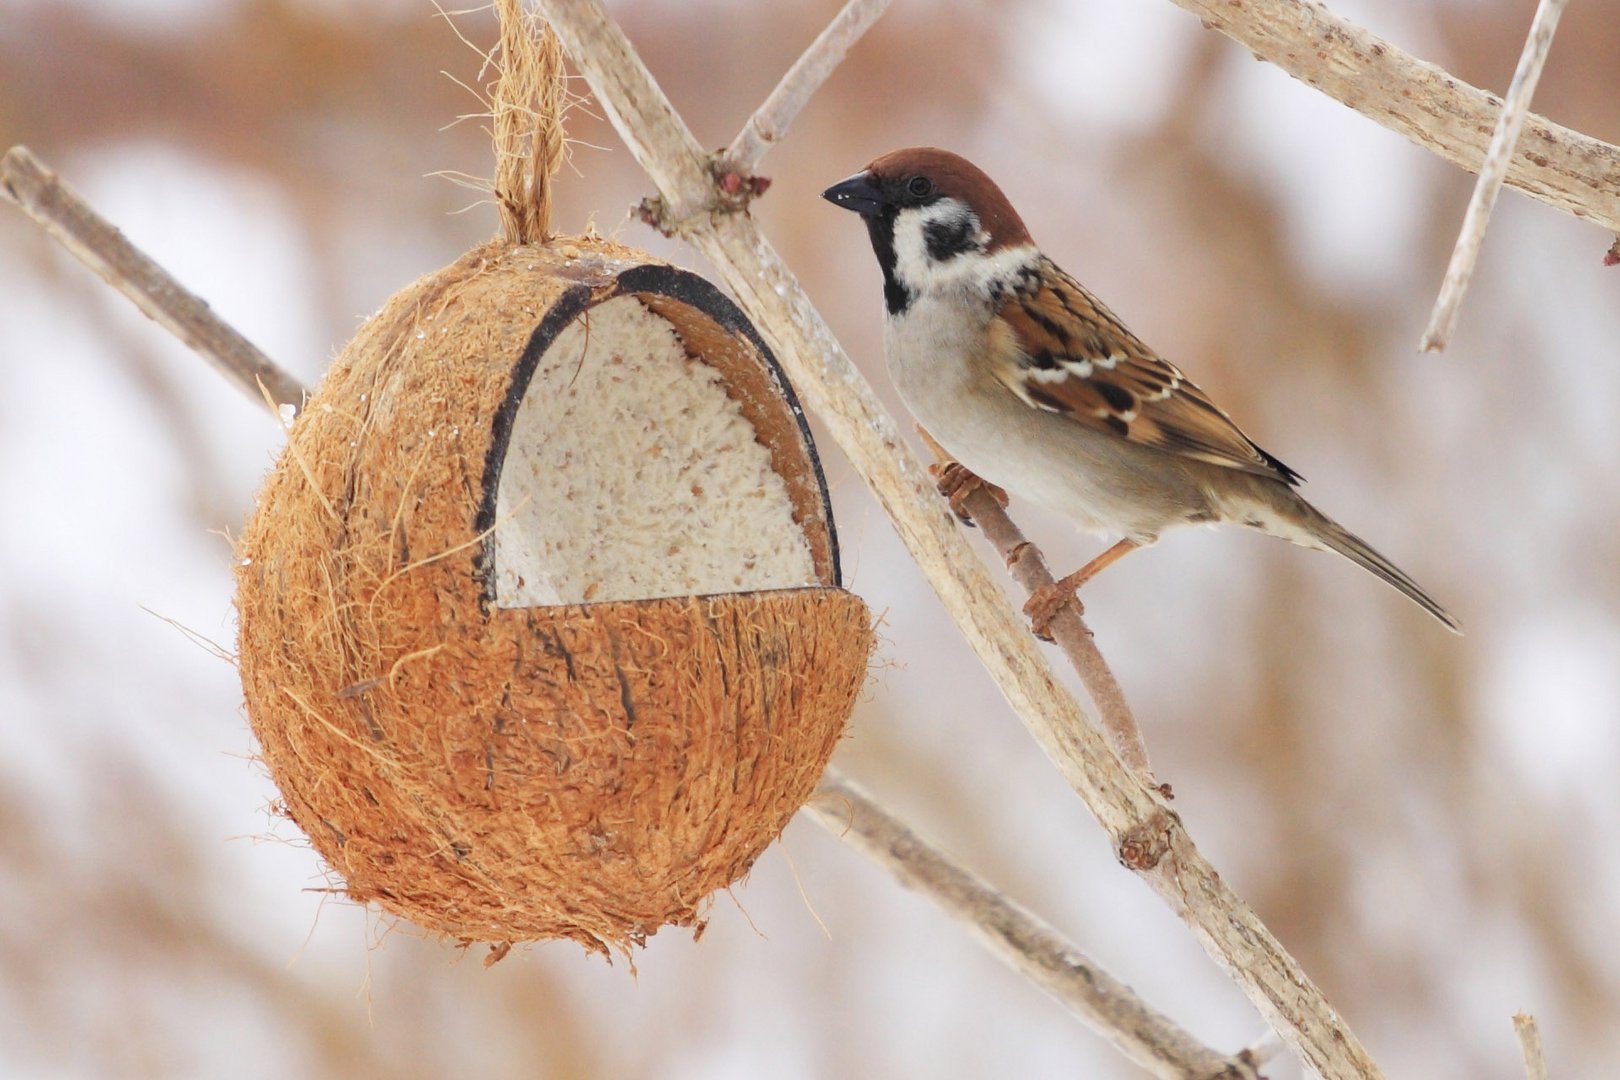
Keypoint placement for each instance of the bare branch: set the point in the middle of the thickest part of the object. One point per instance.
(1147, 834)
(1019, 937)
(1443, 319)
(1535, 1064)
(1563, 168)
(1069, 630)
(771, 120)
(94, 241)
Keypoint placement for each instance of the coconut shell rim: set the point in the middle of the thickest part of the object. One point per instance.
(696, 292)
(791, 589)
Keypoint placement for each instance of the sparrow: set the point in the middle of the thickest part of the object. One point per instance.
(1033, 384)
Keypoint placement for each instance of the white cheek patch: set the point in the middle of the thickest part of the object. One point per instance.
(913, 264)
(920, 267)
(974, 272)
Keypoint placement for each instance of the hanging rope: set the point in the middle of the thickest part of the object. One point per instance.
(528, 99)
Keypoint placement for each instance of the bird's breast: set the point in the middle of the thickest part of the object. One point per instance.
(934, 352)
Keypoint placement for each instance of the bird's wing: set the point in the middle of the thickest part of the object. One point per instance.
(1060, 349)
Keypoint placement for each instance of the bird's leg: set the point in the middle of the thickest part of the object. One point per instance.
(1045, 603)
(956, 481)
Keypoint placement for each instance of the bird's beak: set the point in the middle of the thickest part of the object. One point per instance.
(859, 193)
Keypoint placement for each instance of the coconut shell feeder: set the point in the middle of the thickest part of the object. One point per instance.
(542, 626)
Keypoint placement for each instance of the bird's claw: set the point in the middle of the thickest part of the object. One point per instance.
(1046, 602)
(957, 482)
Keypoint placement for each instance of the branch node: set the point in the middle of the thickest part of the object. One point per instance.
(738, 184)
(729, 191)
(735, 186)
(1143, 847)
(650, 211)
(1017, 554)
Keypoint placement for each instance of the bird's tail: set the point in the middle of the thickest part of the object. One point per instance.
(1331, 535)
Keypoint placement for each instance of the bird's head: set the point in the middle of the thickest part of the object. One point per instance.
(937, 223)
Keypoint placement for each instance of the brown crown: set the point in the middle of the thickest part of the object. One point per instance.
(958, 178)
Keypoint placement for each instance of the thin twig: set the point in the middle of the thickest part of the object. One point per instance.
(1573, 172)
(1019, 937)
(1069, 630)
(1262, 1050)
(94, 241)
(771, 120)
(1443, 319)
(1147, 835)
(1535, 1064)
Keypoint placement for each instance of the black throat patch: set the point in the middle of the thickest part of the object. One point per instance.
(896, 297)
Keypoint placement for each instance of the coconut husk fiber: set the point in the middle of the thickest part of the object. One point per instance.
(507, 773)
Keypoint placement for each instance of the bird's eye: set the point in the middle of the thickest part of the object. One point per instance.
(920, 187)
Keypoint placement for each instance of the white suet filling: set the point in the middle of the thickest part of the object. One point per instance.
(631, 474)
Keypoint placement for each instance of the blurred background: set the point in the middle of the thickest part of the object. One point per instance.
(1427, 822)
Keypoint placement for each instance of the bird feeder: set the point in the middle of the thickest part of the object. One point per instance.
(542, 631)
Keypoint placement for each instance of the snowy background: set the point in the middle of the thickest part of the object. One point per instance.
(1429, 823)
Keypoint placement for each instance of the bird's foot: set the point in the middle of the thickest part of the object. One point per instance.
(957, 483)
(1046, 602)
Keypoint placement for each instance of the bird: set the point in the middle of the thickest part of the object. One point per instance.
(1032, 384)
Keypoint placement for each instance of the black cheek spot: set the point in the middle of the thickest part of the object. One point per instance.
(948, 239)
